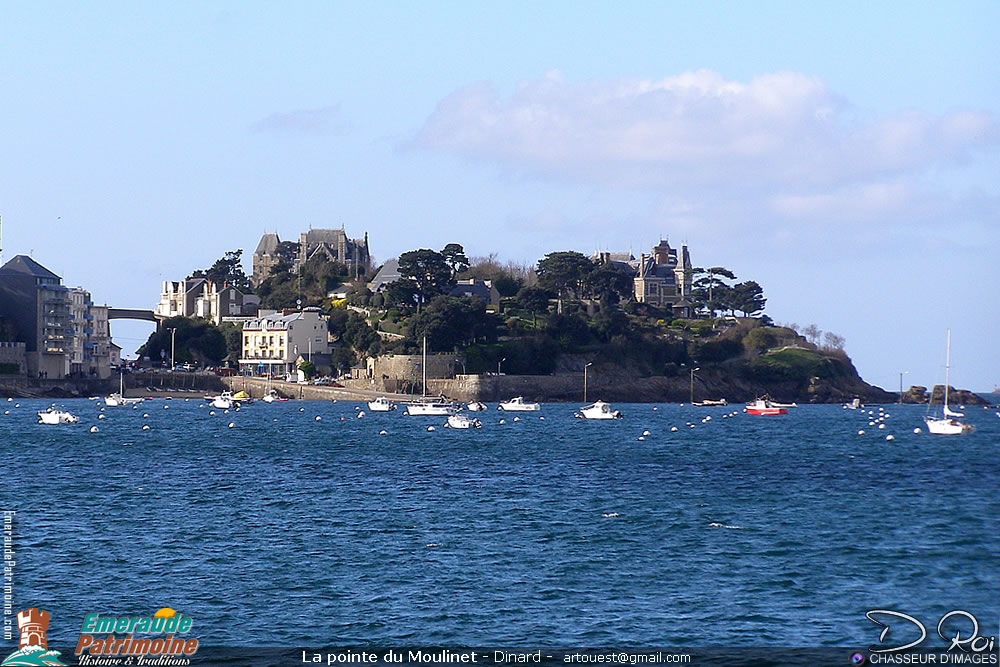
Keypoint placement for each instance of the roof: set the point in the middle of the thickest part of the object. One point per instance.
(389, 273)
(316, 236)
(26, 265)
(268, 244)
(476, 288)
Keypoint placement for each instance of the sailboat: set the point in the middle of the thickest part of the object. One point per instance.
(947, 424)
(427, 406)
(118, 399)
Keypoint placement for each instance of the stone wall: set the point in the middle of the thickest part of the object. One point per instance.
(399, 373)
(14, 353)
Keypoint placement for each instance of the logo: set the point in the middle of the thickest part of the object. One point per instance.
(857, 658)
(142, 640)
(32, 649)
(959, 628)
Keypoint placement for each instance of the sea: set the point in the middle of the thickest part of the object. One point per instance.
(324, 524)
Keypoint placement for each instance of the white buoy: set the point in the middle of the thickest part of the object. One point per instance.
(673, 429)
(211, 412)
(93, 429)
(145, 427)
(361, 414)
(641, 438)
(881, 426)
(318, 418)
(302, 409)
(502, 421)
(383, 432)
(232, 424)
(100, 416)
(890, 437)
(517, 419)
(431, 428)
(145, 415)
(861, 432)
(542, 418)
(166, 407)
(916, 430)
(645, 432)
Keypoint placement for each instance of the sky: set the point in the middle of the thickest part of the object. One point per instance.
(842, 154)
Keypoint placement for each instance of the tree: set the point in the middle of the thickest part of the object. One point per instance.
(563, 273)
(227, 270)
(533, 299)
(748, 298)
(308, 369)
(454, 257)
(449, 322)
(709, 292)
(196, 340)
(813, 334)
(609, 283)
(428, 271)
(833, 341)
(233, 335)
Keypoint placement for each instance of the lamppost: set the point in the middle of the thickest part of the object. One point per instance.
(498, 365)
(496, 391)
(173, 332)
(589, 364)
(693, 370)
(901, 386)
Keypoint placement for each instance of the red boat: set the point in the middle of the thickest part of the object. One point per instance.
(763, 406)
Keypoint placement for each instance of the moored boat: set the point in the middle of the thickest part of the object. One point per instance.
(381, 404)
(436, 407)
(518, 404)
(476, 406)
(53, 416)
(462, 421)
(947, 424)
(764, 406)
(598, 410)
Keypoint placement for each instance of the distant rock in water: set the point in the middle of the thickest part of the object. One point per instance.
(918, 394)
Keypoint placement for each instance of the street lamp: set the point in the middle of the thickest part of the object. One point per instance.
(693, 370)
(589, 364)
(498, 365)
(901, 386)
(173, 332)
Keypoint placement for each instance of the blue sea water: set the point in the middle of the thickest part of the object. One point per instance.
(286, 531)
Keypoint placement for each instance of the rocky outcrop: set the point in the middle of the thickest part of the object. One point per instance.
(919, 394)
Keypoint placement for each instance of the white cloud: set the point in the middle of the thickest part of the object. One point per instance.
(781, 143)
(325, 120)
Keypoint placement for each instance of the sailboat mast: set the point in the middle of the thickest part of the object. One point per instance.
(947, 369)
(423, 388)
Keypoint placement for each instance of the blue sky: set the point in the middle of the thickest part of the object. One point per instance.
(844, 155)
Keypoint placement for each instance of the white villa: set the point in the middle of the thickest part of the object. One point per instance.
(272, 342)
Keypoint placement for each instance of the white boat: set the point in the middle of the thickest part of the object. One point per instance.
(52, 416)
(434, 407)
(854, 404)
(476, 406)
(272, 396)
(118, 399)
(518, 404)
(428, 406)
(223, 401)
(709, 403)
(461, 421)
(381, 404)
(946, 424)
(599, 410)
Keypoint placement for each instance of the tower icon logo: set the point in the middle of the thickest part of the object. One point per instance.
(33, 648)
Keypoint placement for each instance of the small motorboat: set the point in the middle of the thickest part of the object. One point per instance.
(598, 410)
(439, 407)
(764, 406)
(518, 404)
(462, 421)
(476, 406)
(381, 404)
(709, 403)
(223, 401)
(53, 416)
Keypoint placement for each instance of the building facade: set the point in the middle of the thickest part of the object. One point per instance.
(36, 304)
(197, 297)
(331, 244)
(272, 342)
(663, 279)
(89, 335)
